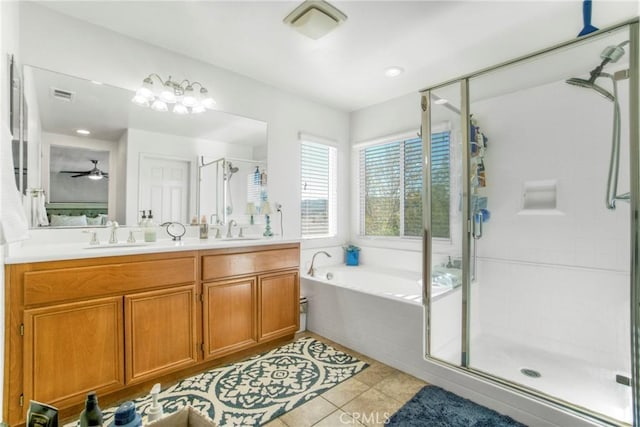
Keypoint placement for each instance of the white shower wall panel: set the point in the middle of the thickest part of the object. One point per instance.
(576, 312)
(563, 133)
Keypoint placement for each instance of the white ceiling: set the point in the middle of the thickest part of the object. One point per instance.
(433, 41)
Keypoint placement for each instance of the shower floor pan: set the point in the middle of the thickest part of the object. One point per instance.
(572, 380)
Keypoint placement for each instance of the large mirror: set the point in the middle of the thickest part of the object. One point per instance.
(96, 156)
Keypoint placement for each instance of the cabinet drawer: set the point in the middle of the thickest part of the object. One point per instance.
(49, 286)
(237, 264)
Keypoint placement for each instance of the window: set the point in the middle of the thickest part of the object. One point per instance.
(391, 188)
(318, 189)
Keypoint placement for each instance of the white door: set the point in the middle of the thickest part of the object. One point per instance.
(164, 188)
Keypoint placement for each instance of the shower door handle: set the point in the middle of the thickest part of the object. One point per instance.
(476, 231)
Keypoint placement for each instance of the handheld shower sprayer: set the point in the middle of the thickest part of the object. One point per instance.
(610, 54)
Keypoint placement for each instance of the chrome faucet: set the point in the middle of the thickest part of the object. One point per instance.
(312, 271)
(93, 240)
(217, 222)
(114, 236)
(231, 224)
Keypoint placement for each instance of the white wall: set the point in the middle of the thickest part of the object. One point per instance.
(91, 52)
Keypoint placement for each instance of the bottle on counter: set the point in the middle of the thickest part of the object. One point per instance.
(204, 227)
(150, 229)
(143, 219)
(91, 415)
(126, 416)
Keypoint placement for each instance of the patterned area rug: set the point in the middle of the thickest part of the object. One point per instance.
(435, 407)
(259, 389)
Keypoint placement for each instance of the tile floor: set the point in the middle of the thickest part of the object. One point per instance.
(367, 399)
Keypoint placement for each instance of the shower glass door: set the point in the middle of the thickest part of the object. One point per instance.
(544, 300)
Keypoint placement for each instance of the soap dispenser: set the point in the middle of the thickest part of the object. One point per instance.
(155, 411)
(143, 219)
(150, 229)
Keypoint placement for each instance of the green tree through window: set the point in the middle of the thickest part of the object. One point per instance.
(391, 188)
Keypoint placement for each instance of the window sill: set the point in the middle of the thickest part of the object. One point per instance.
(403, 243)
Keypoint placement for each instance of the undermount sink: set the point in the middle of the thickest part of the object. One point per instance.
(116, 246)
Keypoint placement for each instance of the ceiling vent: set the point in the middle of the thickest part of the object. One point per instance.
(62, 95)
(315, 18)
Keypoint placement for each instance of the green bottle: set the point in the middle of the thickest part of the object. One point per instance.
(91, 415)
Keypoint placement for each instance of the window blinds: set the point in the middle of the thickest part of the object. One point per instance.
(391, 188)
(318, 179)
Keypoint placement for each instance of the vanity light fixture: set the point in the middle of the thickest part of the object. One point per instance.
(184, 96)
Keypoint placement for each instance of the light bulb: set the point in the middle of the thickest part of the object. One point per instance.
(206, 100)
(140, 100)
(209, 102)
(95, 175)
(159, 105)
(168, 94)
(189, 97)
(146, 90)
(180, 109)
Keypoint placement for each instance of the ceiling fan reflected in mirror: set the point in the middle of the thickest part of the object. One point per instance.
(94, 173)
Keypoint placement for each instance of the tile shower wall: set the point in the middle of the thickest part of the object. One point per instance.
(556, 280)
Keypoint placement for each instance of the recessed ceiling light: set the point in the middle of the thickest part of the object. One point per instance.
(440, 101)
(83, 132)
(393, 71)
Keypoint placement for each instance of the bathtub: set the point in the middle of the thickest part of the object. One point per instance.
(379, 312)
(387, 283)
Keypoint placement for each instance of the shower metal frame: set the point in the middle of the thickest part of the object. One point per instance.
(221, 214)
(633, 26)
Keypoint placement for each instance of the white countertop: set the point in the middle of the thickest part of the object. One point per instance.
(65, 251)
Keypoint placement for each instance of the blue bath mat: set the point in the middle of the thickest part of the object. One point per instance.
(435, 407)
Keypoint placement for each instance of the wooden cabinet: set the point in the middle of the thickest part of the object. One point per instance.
(160, 332)
(118, 324)
(250, 297)
(70, 349)
(279, 296)
(229, 316)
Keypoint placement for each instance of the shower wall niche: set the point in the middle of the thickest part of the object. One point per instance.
(545, 300)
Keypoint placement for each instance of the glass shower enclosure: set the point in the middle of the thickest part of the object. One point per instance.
(540, 194)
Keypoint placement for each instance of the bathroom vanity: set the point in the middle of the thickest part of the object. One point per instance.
(118, 323)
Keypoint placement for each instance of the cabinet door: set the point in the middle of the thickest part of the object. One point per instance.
(160, 332)
(279, 304)
(70, 349)
(229, 316)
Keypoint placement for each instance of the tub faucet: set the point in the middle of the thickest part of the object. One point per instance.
(312, 271)
(231, 224)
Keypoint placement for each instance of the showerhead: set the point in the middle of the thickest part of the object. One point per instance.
(230, 171)
(609, 54)
(589, 84)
